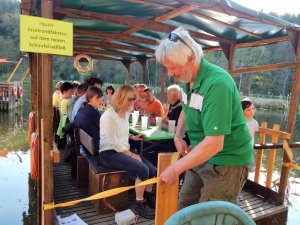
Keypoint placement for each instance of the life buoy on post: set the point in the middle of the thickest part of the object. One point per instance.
(80, 69)
(34, 155)
(14, 90)
(20, 92)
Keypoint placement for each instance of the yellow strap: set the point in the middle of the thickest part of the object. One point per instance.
(107, 193)
(100, 195)
(291, 165)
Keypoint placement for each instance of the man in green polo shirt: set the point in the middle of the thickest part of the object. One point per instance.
(220, 151)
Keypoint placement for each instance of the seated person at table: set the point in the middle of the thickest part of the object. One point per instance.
(91, 81)
(80, 90)
(67, 90)
(56, 97)
(138, 103)
(152, 106)
(114, 148)
(174, 99)
(108, 95)
(88, 118)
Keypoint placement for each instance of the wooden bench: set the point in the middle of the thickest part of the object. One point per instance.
(100, 178)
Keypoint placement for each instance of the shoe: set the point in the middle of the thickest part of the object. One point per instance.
(144, 210)
(150, 199)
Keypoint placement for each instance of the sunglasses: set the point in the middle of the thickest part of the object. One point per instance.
(174, 37)
(131, 99)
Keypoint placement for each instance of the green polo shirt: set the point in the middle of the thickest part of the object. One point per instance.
(212, 108)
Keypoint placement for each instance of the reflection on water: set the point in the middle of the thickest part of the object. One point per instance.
(293, 193)
(17, 193)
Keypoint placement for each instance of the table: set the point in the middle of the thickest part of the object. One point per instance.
(152, 135)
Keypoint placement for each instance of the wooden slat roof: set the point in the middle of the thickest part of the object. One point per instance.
(130, 29)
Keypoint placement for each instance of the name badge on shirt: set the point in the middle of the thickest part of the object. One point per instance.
(183, 97)
(196, 101)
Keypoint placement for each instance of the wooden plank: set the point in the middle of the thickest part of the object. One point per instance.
(259, 154)
(265, 68)
(284, 176)
(272, 157)
(293, 108)
(98, 44)
(262, 191)
(118, 37)
(166, 194)
(280, 134)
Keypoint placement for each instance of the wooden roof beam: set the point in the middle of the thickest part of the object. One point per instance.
(125, 38)
(215, 6)
(167, 16)
(97, 44)
(198, 15)
(95, 56)
(134, 22)
(105, 52)
(264, 68)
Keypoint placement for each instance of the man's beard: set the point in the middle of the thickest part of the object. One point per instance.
(186, 75)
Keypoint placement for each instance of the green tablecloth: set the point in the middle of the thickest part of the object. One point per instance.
(152, 133)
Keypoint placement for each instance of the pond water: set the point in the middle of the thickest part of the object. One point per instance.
(17, 201)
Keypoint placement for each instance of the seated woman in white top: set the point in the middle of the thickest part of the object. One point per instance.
(115, 150)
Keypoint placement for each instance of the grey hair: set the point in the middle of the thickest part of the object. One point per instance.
(177, 52)
(175, 89)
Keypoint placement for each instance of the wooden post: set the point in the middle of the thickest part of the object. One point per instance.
(33, 81)
(288, 156)
(162, 84)
(127, 66)
(166, 195)
(272, 157)
(47, 128)
(143, 62)
(229, 50)
(295, 92)
(259, 154)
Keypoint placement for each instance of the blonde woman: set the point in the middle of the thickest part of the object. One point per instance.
(114, 149)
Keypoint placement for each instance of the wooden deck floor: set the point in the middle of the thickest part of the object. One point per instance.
(65, 190)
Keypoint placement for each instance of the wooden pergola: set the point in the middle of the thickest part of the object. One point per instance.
(128, 31)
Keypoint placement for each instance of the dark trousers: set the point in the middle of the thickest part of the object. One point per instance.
(119, 161)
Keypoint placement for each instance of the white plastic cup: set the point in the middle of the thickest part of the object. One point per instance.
(172, 126)
(137, 113)
(144, 122)
(134, 119)
(158, 121)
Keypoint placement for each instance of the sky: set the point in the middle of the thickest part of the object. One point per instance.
(278, 6)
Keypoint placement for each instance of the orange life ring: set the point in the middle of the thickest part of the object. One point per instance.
(14, 90)
(31, 125)
(34, 155)
(20, 92)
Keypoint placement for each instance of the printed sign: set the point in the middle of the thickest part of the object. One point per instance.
(46, 36)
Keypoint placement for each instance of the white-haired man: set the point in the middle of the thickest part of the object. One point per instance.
(220, 151)
(174, 99)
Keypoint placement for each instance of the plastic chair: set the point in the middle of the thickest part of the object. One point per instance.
(211, 213)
